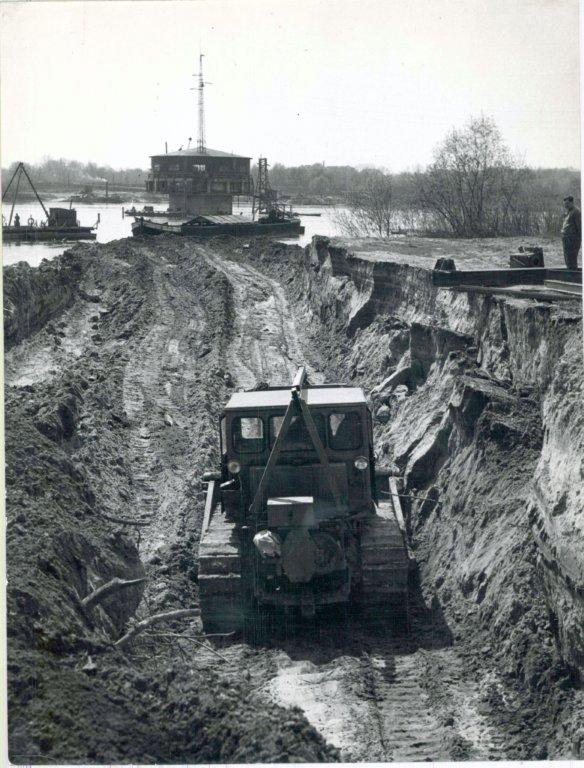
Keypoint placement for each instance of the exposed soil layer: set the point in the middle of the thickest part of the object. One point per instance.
(121, 356)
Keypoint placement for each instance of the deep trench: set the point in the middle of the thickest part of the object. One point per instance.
(119, 363)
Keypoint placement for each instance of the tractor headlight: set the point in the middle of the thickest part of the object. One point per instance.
(361, 462)
(234, 467)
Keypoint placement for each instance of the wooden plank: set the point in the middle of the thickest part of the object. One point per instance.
(564, 287)
(538, 293)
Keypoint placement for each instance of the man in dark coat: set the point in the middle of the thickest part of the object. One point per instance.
(571, 233)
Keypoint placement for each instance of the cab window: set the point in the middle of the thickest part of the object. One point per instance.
(297, 436)
(344, 431)
(248, 434)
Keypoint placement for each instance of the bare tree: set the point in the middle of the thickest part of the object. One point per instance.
(369, 206)
(473, 184)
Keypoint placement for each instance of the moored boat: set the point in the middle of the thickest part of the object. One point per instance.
(213, 225)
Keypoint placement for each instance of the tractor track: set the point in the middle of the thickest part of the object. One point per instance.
(375, 698)
(385, 698)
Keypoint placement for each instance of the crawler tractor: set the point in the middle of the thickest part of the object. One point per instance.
(293, 519)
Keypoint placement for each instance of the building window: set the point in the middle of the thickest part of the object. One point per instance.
(199, 167)
(174, 167)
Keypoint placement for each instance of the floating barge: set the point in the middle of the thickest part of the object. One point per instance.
(213, 225)
(60, 224)
(32, 234)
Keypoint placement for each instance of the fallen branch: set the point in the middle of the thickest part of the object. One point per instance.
(411, 496)
(156, 619)
(101, 593)
(125, 521)
(188, 637)
(220, 634)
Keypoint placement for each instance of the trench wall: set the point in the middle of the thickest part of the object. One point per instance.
(502, 429)
(479, 406)
(492, 422)
(35, 295)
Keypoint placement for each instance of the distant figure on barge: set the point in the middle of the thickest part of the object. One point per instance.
(571, 233)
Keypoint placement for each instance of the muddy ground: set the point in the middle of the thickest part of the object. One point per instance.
(119, 358)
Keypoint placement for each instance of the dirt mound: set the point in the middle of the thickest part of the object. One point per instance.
(86, 709)
(111, 420)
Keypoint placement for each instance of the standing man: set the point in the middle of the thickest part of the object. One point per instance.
(571, 233)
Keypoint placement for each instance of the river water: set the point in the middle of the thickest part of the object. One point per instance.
(114, 226)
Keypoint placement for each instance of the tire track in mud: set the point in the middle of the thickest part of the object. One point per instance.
(146, 400)
(163, 368)
(160, 384)
(266, 344)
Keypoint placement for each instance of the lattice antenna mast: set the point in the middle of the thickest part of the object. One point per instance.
(201, 89)
(201, 146)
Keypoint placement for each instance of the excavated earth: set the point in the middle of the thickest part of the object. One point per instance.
(118, 360)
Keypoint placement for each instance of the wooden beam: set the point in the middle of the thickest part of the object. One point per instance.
(299, 379)
(20, 167)
(11, 180)
(209, 504)
(538, 292)
(489, 277)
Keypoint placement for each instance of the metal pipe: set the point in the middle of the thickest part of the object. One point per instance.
(34, 190)
(15, 196)
(11, 180)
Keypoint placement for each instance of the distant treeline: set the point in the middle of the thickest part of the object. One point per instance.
(474, 187)
(65, 174)
(340, 180)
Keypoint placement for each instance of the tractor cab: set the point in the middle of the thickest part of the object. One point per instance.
(315, 444)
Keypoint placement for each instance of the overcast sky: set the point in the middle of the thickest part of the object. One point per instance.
(360, 82)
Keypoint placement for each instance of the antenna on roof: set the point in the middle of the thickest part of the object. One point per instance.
(201, 89)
